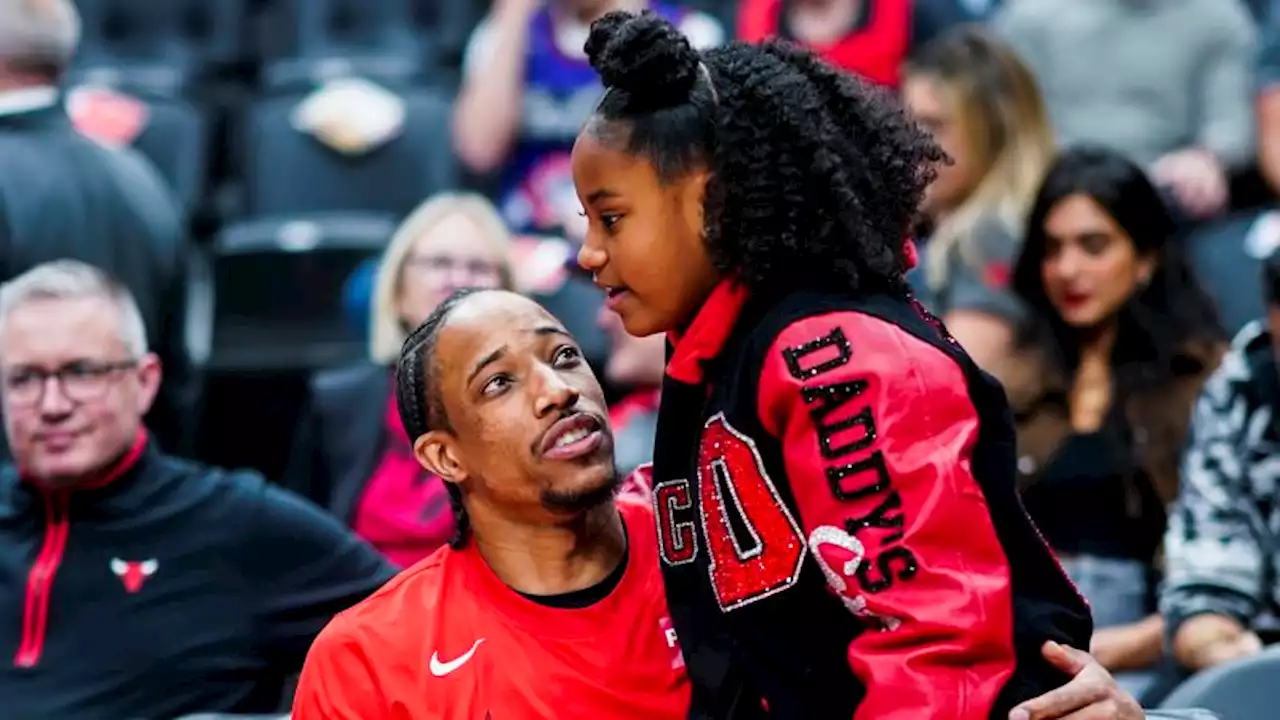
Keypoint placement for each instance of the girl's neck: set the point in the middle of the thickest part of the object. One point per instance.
(1096, 343)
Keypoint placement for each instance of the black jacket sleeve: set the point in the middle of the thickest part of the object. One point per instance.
(307, 471)
(301, 567)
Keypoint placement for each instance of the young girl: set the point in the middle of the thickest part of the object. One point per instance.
(833, 477)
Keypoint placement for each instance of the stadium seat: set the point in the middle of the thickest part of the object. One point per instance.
(278, 291)
(392, 67)
(169, 131)
(449, 23)
(288, 171)
(276, 294)
(1243, 690)
(145, 39)
(326, 28)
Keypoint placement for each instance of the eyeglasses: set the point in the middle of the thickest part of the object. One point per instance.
(443, 265)
(82, 381)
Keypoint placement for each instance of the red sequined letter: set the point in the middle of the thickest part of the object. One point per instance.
(755, 544)
(677, 539)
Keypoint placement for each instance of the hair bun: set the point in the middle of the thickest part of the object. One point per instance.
(644, 55)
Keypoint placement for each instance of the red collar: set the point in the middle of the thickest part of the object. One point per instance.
(110, 473)
(706, 335)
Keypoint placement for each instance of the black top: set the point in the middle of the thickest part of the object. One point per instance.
(172, 589)
(1091, 501)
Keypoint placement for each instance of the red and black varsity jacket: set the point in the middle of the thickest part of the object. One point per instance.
(839, 527)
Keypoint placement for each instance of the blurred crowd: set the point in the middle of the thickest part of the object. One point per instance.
(219, 218)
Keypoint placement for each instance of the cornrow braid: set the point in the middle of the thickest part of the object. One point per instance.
(418, 395)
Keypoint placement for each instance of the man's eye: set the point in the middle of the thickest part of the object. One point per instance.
(495, 385)
(567, 356)
(20, 379)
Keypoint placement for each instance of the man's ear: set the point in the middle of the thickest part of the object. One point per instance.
(436, 451)
(149, 377)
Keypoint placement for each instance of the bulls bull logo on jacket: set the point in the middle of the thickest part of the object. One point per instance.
(133, 573)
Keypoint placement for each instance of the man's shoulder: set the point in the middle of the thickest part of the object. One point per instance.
(194, 478)
(1248, 369)
(413, 598)
(232, 498)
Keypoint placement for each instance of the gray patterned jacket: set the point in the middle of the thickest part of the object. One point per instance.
(1220, 547)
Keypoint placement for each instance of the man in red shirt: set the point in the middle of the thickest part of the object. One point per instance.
(548, 603)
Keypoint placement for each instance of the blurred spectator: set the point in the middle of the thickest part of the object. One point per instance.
(1221, 550)
(1106, 370)
(636, 364)
(140, 585)
(981, 103)
(351, 454)
(1167, 82)
(63, 195)
(1268, 98)
(870, 38)
(526, 90)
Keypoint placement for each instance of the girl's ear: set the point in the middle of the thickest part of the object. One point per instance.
(693, 198)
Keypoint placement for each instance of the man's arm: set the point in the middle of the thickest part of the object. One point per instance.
(876, 424)
(1268, 102)
(1225, 87)
(338, 681)
(1214, 560)
(486, 115)
(303, 567)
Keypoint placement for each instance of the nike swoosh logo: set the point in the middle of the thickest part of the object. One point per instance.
(440, 669)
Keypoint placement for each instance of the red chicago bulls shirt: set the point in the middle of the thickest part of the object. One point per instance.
(837, 518)
(448, 640)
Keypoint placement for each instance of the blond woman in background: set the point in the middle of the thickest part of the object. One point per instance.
(351, 454)
(982, 104)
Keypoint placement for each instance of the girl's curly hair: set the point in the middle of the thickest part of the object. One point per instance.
(815, 177)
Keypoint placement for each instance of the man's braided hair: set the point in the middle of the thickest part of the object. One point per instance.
(418, 395)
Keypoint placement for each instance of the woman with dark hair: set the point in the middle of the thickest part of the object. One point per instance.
(1119, 340)
(752, 203)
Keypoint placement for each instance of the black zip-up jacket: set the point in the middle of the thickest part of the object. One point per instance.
(165, 588)
(839, 527)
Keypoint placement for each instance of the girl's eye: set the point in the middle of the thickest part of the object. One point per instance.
(609, 221)
(567, 356)
(496, 384)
